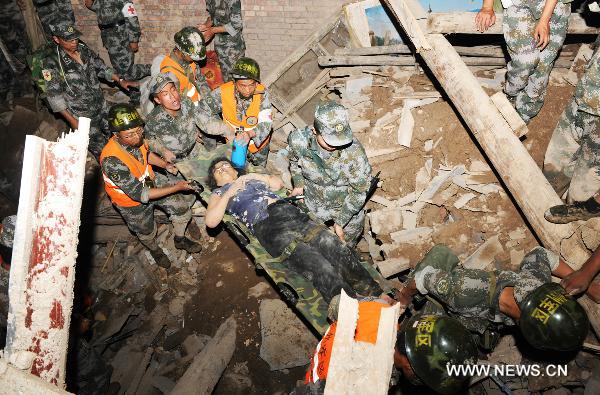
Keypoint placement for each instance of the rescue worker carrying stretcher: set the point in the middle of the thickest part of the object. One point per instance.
(135, 189)
(245, 107)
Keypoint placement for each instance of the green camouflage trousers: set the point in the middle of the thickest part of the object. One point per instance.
(229, 50)
(529, 68)
(140, 219)
(116, 41)
(572, 161)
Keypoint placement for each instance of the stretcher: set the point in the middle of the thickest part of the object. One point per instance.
(295, 289)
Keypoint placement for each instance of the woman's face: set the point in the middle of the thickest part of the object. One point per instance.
(224, 173)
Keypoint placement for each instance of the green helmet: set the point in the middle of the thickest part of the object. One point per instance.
(551, 319)
(431, 342)
(123, 116)
(246, 68)
(190, 41)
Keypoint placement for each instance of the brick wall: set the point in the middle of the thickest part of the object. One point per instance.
(272, 28)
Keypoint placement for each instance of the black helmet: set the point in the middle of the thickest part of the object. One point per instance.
(431, 342)
(123, 116)
(246, 68)
(551, 319)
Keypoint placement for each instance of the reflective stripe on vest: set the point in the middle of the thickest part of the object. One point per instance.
(367, 327)
(186, 87)
(140, 170)
(229, 111)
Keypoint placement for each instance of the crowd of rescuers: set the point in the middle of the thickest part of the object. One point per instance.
(452, 312)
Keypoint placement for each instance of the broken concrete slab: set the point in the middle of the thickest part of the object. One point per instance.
(464, 199)
(412, 235)
(385, 221)
(391, 267)
(485, 254)
(354, 86)
(286, 341)
(506, 352)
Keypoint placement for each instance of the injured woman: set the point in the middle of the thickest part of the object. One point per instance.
(323, 260)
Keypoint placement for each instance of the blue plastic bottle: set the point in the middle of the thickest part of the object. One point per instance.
(239, 150)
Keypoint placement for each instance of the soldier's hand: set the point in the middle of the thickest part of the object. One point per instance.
(128, 84)
(207, 33)
(485, 18)
(89, 3)
(244, 136)
(297, 191)
(541, 34)
(22, 5)
(577, 282)
(134, 46)
(339, 231)
(183, 186)
(74, 124)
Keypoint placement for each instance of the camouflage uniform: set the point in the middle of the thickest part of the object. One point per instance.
(49, 10)
(211, 106)
(75, 87)
(14, 37)
(140, 219)
(8, 231)
(230, 46)
(529, 69)
(465, 293)
(572, 160)
(335, 183)
(119, 26)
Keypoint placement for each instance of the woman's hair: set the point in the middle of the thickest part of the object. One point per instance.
(210, 178)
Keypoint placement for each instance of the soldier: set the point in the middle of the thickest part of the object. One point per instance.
(484, 301)
(15, 40)
(572, 161)
(531, 60)
(225, 22)
(420, 340)
(244, 105)
(73, 89)
(331, 169)
(173, 126)
(183, 63)
(49, 10)
(135, 189)
(120, 32)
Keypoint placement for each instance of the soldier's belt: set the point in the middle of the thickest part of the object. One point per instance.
(111, 25)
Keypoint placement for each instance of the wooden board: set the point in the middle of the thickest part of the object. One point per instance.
(464, 22)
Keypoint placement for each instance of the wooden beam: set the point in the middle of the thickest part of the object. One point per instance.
(42, 272)
(360, 367)
(509, 113)
(464, 22)
(388, 60)
(518, 170)
(207, 367)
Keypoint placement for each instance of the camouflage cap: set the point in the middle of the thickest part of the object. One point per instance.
(64, 29)
(7, 232)
(190, 41)
(159, 81)
(332, 123)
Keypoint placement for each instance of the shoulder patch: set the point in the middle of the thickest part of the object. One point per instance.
(129, 10)
(442, 287)
(47, 75)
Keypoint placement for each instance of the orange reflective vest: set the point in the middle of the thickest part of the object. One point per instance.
(186, 86)
(367, 326)
(250, 118)
(140, 170)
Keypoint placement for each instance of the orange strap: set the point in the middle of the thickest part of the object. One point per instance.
(186, 86)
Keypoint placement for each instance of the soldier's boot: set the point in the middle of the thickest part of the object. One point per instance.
(159, 256)
(565, 213)
(183, 243)
(194, 230)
